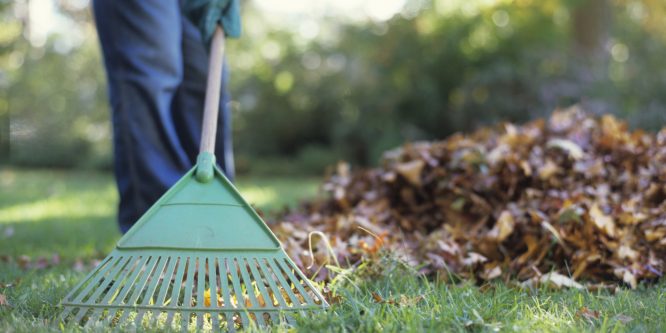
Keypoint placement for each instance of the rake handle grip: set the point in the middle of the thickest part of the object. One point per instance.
(213, 88)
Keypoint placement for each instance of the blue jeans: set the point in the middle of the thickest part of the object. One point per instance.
(156, 65)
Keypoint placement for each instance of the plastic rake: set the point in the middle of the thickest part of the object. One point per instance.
(200, 257)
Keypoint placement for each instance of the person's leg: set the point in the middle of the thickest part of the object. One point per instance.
(141, 43)
(189, 101)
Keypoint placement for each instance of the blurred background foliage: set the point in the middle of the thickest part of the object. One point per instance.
(313, 84)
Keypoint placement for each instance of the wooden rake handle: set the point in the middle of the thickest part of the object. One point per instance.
(206, 159)
(213, 88)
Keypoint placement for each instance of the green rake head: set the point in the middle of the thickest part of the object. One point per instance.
(200, 257)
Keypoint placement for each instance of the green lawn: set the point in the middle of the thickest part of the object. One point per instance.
(67, 220)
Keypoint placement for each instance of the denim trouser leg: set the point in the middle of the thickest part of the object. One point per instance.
(156, 67)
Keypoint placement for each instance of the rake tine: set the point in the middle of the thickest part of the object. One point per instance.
(250, 290)
(65, 313)
(116, 284)
(136, 270)
(106, 283)
(274, 317)
(240, 298)
(307, 282)
(164, 287)
(155, 320)
(94, 316)
(290, 319)
(125, 315)
(127, 287)
(102, 267)
(247, 282)
(189, 285)
(245, 319)
(294, 300)
(98, 276)
(111, 315)
(260, 284)
(215, 321)
(151, 288)
(139, 285)
(81, 314)
(271, 283)
(297, 284)
(143, 280)
(169, 319)
(103, 287)
(201, 286)
(112, 290)
(177, 317)
(231, 324)
(178, 281)
(224, 285)
(212, 285)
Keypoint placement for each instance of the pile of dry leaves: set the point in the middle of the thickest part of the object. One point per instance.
(573, 196)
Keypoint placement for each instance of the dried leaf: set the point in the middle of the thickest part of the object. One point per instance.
(377, 297)
(410, 301)
(3, 300)
(474, 258)
(503, 228)
(554, 280)
(601, 220)
(588, 314)
(207, 298)
(627, 276)
(626, 252)
(411, 171)
(574, 150)
(23, 261)
(491, 273)
(548, 170)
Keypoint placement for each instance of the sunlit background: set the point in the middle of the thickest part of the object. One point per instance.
(314, 82)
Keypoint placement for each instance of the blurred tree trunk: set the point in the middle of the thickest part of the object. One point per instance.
(591, 21)
(591, 28)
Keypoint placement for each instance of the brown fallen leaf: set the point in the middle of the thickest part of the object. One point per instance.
(410, 301)
(411, 171)
(627, 276)
(588, 314)
(474, 258)
(331, 297)
(23, 261)
(626, 252)
(377, 297)
(573, 149)
(491, 273)
(601, 220)
(503, 228)
(403, 300)
(3, 300)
